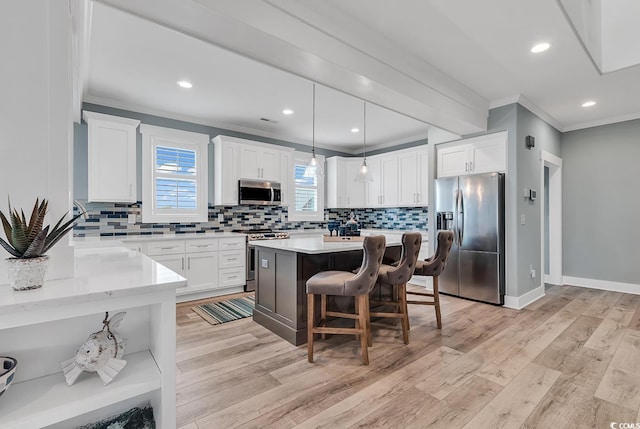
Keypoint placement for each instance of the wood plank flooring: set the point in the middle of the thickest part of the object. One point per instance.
(571, 359)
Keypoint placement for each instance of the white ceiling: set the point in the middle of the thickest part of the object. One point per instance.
(446, 56)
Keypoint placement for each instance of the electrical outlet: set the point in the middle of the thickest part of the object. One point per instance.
(131, 218)
(283, 217)
(532, 272)
(523, 219)
(220, 217)
(264, 263)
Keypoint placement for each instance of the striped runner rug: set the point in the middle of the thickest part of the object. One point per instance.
(226, 311)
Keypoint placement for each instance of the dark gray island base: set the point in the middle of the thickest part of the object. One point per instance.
(281, 275)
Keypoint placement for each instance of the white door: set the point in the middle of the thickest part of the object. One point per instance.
(490, 155)
(453, 161)
(389, 179)
(354, 191)
(249, 162)
(202, 271)
(269, 163)
(408, 179)
(374, 189)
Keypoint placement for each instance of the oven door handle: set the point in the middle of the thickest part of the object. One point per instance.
(273, 194)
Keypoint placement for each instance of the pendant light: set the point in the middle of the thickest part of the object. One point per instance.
(312, 168)
(364, 175)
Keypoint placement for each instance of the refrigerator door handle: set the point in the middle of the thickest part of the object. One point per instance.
(460, 218)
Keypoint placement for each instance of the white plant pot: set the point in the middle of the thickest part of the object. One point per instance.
(26, 274)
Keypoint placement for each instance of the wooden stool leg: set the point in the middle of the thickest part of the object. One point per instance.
(362, 317)
(310, 321)
(436, 300)
(403, 311)
(406, 307)
(323, 312)
(367, 307)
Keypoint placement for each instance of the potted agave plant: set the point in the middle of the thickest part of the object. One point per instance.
(28, 242)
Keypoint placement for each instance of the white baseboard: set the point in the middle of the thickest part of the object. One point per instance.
(520, 302)
(602, 284)
(546, 278)
(208, 294)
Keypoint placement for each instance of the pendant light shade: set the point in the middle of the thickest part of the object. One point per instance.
(364, 175)
(312, 168)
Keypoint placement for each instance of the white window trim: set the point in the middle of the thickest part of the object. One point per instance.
(153, 136)
(298, 216)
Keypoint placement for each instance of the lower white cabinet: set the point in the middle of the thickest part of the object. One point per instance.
(212, 266)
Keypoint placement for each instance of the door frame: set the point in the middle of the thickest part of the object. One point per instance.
(554, 164)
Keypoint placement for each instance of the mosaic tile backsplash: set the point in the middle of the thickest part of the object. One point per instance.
(111, 219)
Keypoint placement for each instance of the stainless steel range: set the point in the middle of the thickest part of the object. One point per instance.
(253, 235)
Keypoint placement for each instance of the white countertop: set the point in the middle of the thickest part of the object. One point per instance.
(111, 241)
(315, 244)
(99, 272)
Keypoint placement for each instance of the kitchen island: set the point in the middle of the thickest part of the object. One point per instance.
(283, 268)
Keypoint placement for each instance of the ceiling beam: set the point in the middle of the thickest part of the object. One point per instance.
(418, 91)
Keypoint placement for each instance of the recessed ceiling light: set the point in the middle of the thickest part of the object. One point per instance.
(184, 84)
(540, 47)
(355, 130)
(589, 103)
(287, 112)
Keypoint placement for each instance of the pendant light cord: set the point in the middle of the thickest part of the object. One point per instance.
(364, 133)
(313, 124)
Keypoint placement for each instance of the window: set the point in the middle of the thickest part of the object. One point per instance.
(308, 194)
(174, 175)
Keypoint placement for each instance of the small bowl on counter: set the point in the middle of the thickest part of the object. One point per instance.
(8, 367)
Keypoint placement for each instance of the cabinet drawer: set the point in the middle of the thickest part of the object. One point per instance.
(228, 277)
(138, 246)
(168, 247)
(232, 243)
(232, 258)
(205, 245)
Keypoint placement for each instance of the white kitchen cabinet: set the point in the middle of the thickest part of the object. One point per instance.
(383, 191)
(259, 163)
(209, 264)
(483, 154)
(225, 174)
(342, 190)
(236, 159)
(413, 178)
(111, 158)
(287, 184)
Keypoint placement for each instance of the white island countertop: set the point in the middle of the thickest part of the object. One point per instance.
(101, 272)
(315, 244)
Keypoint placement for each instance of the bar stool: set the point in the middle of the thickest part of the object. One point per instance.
(433, 267)
(343, 283)
(397, 276)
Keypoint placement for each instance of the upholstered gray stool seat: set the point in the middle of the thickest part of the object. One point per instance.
(343, 283)
(396, 276)
(433, 267)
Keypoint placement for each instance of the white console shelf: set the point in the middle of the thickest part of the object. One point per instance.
(43, 327)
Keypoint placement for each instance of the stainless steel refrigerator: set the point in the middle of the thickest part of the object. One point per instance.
(473, 208)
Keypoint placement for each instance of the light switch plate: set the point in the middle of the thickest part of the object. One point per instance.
(220, 217)
(131, 218)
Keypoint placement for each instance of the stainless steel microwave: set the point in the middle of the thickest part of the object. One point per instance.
(260, 192)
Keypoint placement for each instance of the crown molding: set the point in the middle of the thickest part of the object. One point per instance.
(600, 122)
(136, 108)
(531, 106)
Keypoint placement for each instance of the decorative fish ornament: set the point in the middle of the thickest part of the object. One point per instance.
(101, 353)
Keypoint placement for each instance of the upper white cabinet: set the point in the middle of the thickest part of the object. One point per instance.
(413, 177)
(259, 163)
(225, 172)
(112, 158)
(383, 191)
(342, 189)
(400, 178)
(235, 158)
(476, 155)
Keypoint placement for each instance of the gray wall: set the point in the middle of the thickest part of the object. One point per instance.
(80, 156)
(530, 174)
(523, 242)
(601, 207)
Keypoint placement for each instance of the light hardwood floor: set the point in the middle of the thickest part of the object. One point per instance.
(569, 360)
